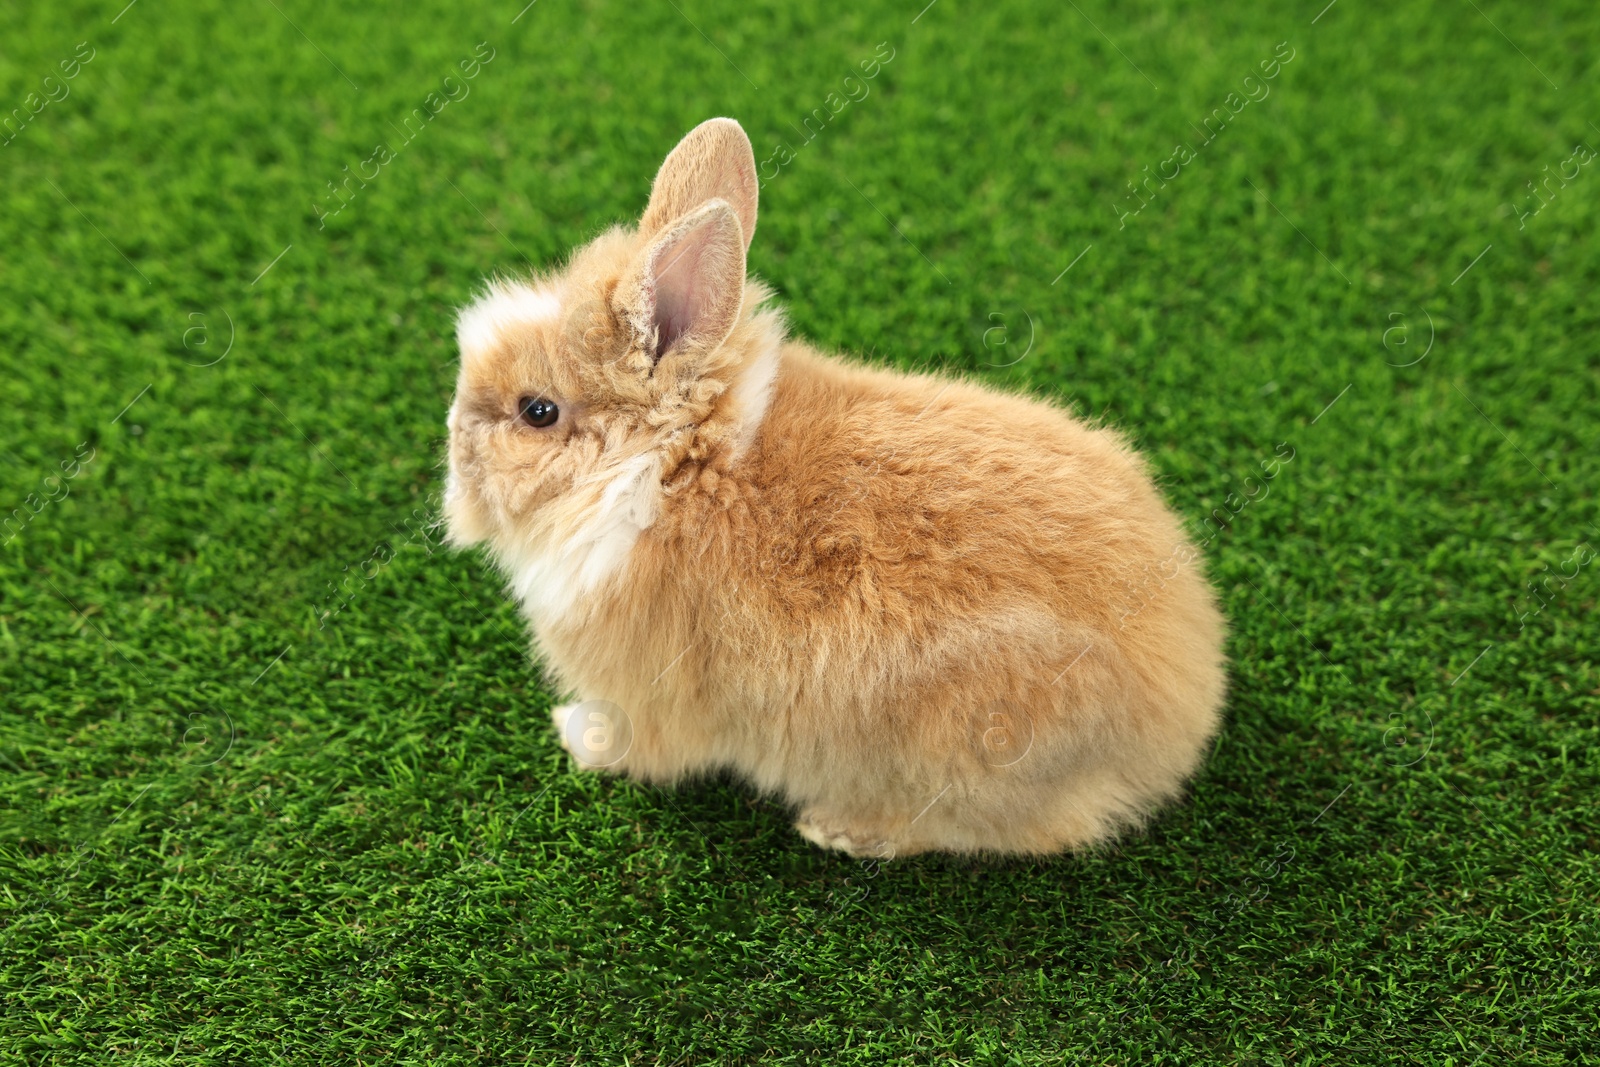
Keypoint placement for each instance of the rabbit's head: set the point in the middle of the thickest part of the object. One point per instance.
(582, 391)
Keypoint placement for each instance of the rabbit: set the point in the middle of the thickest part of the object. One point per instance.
(926, 613)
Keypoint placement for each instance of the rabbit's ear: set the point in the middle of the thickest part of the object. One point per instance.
(683, 291)
(713, 161)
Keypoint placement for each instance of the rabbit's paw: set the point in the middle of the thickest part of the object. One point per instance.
(832, 833)
(558, 718)
(596, 733)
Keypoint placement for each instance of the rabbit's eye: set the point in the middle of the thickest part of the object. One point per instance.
(537, 411)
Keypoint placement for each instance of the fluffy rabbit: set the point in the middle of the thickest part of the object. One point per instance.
(927, 613)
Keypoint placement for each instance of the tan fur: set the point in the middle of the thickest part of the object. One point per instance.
(896, 601)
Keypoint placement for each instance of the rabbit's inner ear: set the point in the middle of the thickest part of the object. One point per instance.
(686, 289)
(688, 293)
(714, 161)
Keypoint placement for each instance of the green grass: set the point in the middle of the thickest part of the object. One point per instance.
(233, 835)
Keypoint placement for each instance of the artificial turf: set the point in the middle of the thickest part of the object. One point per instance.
(278, 781)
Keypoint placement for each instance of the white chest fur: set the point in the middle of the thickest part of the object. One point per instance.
(588, 550)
